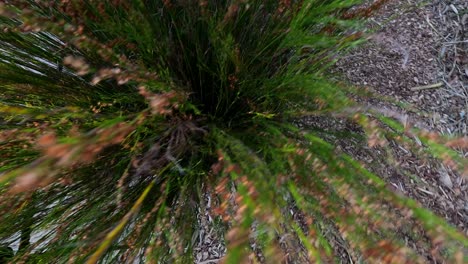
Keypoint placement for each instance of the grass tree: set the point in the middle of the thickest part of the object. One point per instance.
(119, 117)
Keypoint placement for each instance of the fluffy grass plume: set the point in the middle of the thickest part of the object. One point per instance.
(119, 118)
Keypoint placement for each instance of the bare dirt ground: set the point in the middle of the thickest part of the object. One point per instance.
(417, 53)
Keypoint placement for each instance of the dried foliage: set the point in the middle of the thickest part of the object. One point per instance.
(118, 117)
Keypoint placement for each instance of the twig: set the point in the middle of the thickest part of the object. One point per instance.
(455, 42)
(208, 261)
(425, 191)
(430, 24)
(425, 87)
(448, 84)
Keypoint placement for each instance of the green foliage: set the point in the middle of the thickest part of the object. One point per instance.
(120, 117)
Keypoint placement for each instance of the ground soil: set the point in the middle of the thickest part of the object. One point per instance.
(417, 53)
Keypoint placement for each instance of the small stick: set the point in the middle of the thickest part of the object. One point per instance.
(430, 86)
(209, 261)
(435, 30)
(424, 191)
(455, 42)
